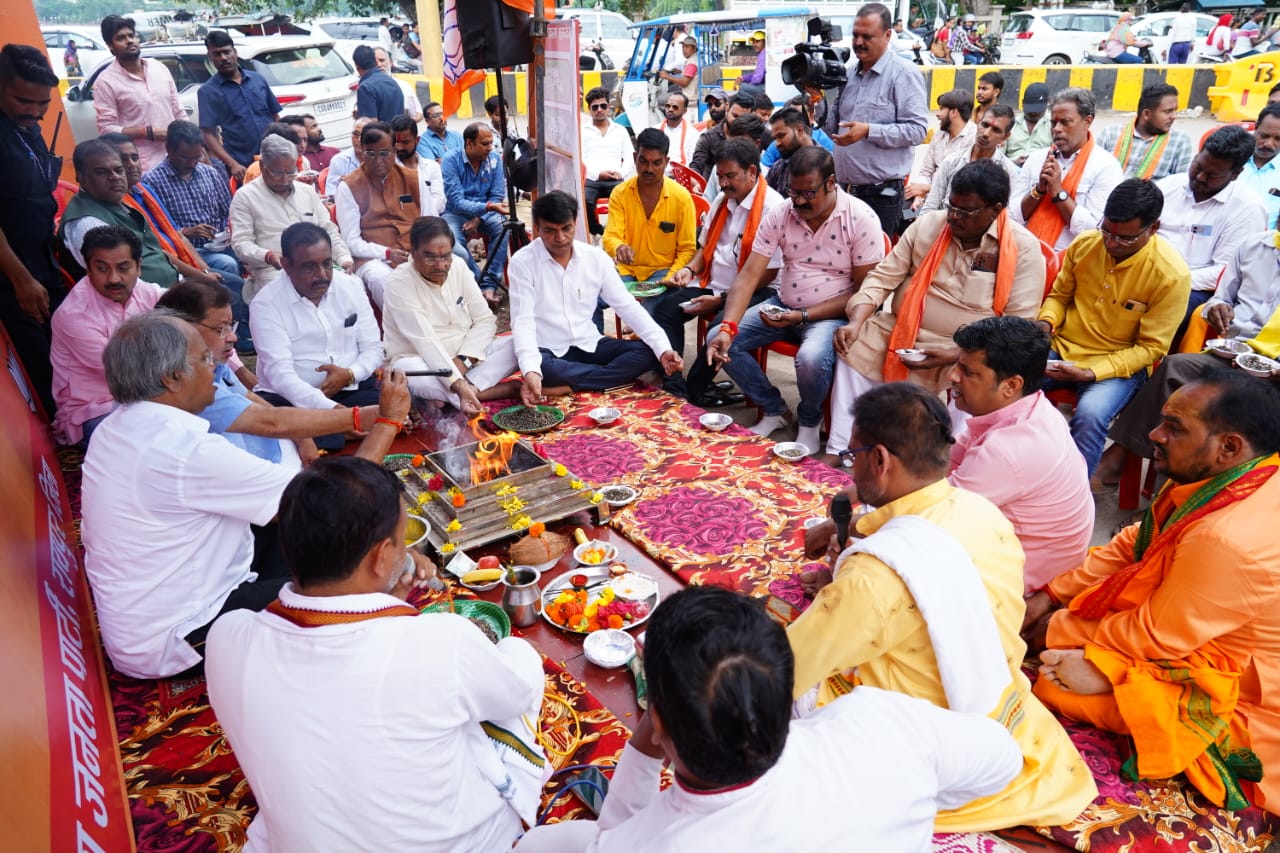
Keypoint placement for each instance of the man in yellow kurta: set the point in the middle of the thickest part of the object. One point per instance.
(1171, 632)
(653, 227)
(867, 619)
(1113, 311)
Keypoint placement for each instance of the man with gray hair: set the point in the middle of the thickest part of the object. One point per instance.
(168, 506)
(261, 210)
(1062, 189)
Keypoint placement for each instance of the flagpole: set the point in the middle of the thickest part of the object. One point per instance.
(432, 43)
(538, 31)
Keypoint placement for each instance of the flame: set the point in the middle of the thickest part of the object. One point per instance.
(492, 455)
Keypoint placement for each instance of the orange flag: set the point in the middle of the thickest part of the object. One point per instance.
(457, 77)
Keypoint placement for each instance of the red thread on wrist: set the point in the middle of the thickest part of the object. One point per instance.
(730, 327)
(355, 419)
(397, 424)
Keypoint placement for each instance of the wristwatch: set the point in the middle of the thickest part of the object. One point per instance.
(1062, 195)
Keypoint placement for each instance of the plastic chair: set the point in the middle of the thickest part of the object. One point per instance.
(62, 194)
(1052, 264)
(687, 178)
(322, 182)
(702, 207)
(790, 350)
(1247, 125)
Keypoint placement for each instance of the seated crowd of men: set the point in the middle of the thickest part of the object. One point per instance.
(218, 540)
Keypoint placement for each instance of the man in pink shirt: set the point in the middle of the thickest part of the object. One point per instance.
(109, 294)
(1017, 451)
(829, 242)
(135, 96)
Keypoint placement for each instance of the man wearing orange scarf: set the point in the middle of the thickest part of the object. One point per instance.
(1171, 632)
(725, 244)
(954, 266)
(1061, 190)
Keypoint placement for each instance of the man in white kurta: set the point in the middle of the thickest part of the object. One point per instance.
(356, 719)
(556, 283)
(830, 787)
(436, 318)
(262, 209)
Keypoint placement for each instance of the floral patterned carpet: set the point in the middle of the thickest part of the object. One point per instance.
(713, 508)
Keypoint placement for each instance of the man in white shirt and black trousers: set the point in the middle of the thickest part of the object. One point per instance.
(555, 285)
(320, 343)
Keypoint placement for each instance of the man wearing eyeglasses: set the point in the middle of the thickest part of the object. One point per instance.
(346, 162)
(954, 266)
(377, 205)
(435, 318)
(1113, 310)
(607, 155)
(829, 242)
(262, 209)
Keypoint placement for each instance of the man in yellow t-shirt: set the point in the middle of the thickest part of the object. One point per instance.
(652, 228)
(1113, 310)
(866, 618)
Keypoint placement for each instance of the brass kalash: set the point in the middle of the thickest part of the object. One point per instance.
(489, 473)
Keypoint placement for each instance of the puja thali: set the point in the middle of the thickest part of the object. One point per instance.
(594, 598)
(526, 420)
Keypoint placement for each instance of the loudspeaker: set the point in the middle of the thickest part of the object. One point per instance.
(493, 34)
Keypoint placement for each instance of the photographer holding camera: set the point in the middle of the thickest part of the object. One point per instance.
(881, 113)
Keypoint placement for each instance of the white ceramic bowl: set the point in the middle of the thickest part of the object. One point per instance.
(633, 586)
(609, 648)
(619, 496)
(911, 355)
(715, 421)
(790, 451)
(1256, 365)
(1227, 348)
(610, 553)
(604, 415)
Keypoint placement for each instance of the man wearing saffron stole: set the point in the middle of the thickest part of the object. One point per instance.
(1171, 632)
(1148, 147)
(904, 618)
(360, 723)
(1062, 189)
(726, 241)
(954, 266)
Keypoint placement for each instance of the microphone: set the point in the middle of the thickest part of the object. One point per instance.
(841, 513)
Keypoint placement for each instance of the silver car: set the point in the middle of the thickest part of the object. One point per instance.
(306, 75)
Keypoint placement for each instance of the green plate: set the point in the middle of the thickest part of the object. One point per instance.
(644, 289)
(503, 419)
(477, 611)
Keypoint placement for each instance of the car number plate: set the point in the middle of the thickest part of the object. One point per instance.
(331, 106)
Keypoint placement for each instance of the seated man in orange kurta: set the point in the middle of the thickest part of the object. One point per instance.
(1171, 633)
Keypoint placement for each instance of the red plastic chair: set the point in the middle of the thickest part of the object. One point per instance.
(688, 178)
(62, 194)
(1052, 265)
(1247, 125)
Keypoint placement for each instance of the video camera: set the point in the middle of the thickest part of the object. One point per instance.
(818, 65)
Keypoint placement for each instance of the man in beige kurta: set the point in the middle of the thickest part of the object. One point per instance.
(962, 290)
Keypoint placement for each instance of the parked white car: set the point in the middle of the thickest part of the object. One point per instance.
(608, 28)
(307, 76)
(89, 46)
(1054, 36)
(1155, 28)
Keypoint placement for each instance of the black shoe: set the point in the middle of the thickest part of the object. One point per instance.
(722, 385)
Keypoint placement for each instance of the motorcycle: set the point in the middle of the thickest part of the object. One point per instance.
(1100, 58)
(991, 49)
(594, 58)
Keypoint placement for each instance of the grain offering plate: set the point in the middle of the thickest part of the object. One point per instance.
(583, 602)
(527, 421)
(487, 616)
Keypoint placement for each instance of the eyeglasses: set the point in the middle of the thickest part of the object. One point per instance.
(1108, 234)
(207, 358)
(954, 212)
(438, 260)
(847, 456)
(807, 194)
(378, 155)
(288, 173)
(223, 329)
(673, 107)
(594, 107)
